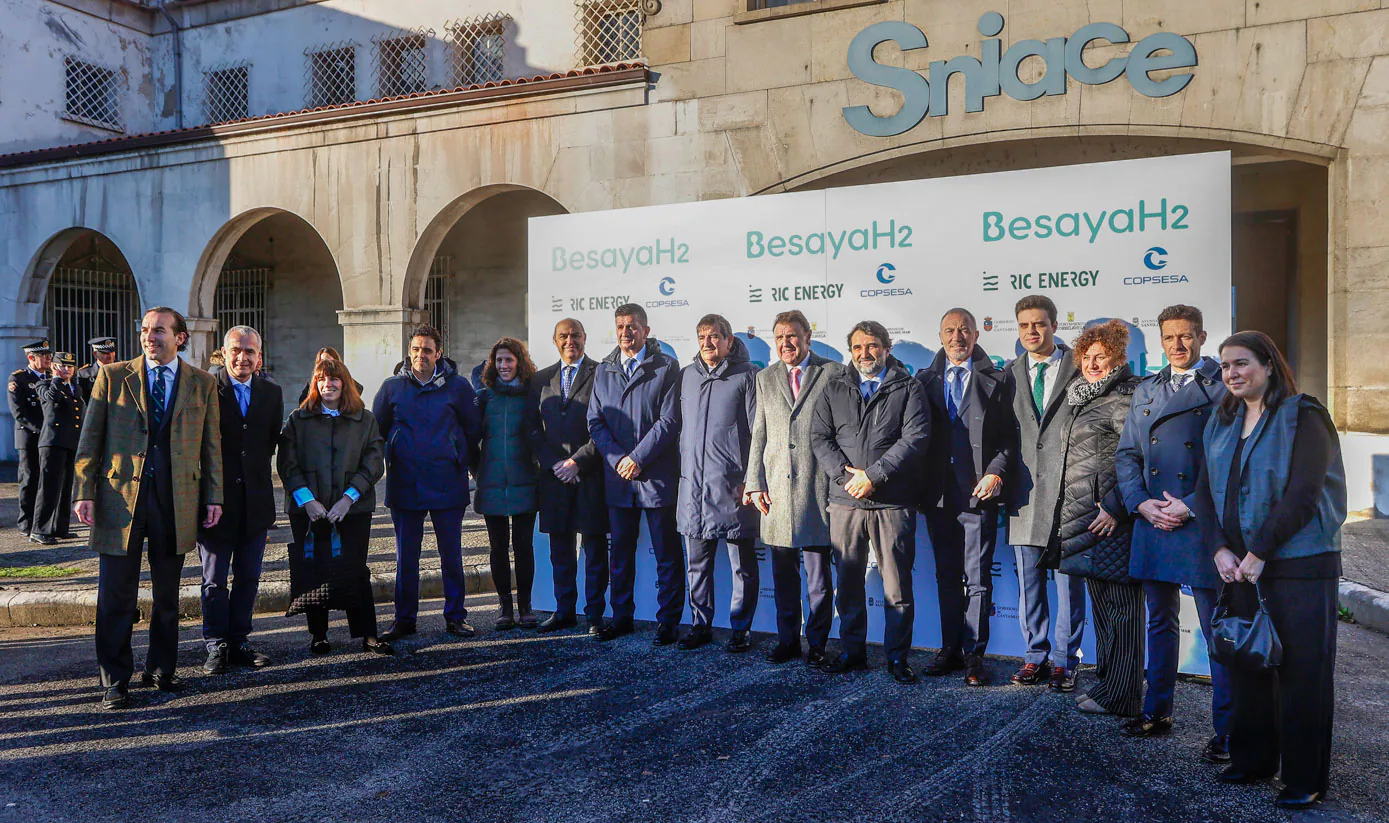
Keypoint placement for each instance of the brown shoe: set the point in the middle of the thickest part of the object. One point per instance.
(1032, 674)
(527, 619)
(975, 673)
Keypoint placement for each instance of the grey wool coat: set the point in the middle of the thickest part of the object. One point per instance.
(1035, 493)
(781, 461)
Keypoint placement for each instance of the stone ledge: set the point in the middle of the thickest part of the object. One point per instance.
(1369, 607)
(78, 608)
(742, 18)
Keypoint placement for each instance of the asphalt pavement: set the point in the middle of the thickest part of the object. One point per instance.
(517, 726)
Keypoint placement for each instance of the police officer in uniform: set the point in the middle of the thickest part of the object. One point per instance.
(28, 424)
(103, 352)
(61, 400)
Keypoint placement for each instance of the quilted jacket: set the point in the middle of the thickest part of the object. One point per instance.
(1091, 480)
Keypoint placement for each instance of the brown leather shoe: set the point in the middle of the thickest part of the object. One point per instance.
(1032, 674)
(975, 673)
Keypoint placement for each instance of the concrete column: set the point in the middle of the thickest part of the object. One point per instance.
(12, 342)
(202, 340)
(374, 341)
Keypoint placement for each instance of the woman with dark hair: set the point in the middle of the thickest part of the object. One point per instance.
(1273, 497)
(325, 353)
(331, 455)
(506, 477)
(1094, 528)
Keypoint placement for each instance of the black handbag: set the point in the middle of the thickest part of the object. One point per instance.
(1249, 643)
(321, 574)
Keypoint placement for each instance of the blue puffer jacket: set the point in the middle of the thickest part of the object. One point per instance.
(717, 408)
(640, 417)
(431, 434)
(506, 471)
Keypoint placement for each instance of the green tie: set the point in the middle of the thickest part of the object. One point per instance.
(1039, 389)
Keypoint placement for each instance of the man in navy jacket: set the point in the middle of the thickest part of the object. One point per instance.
(1160, 456)
(429, 418)
(634, 419)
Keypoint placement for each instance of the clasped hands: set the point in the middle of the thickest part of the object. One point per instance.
(628, 469)
(1166, 514)
(1234, 570)
(316, 511)
(567, 471)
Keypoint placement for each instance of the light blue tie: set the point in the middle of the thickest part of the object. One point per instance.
(957, 392)
(566, 381)
(243, 397)
(868, 388)
(631, 366)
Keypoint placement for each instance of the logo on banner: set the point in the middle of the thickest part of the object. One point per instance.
(1155, 258)
(793, 294)
(556, 304)
(667, 286)
(754, 294)
(988, 324)
(990, 282)
(1030, 281)
(885, 273)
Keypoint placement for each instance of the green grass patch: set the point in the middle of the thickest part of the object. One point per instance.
(36, 572)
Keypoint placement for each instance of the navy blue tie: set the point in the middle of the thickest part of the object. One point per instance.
(160, 396)
(956, 393)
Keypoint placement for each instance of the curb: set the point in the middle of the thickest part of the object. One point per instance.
(1368, 606)
(78, 608)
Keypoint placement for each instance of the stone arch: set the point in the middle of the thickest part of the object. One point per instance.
(105, 292)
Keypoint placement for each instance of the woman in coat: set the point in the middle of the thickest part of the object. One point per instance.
(1094, 529)
(506, 477)
(331, 456)
(1273, 496)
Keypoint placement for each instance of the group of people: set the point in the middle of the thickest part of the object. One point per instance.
(1123, 489)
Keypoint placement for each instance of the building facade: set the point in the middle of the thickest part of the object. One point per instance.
(333, 172)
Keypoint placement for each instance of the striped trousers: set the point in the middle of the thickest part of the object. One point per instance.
(1119, 639)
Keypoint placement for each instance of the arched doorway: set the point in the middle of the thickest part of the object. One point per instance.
(469, 270)
(91, 292)
(270, 269)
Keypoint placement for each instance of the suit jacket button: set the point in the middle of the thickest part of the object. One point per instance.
(1189, 444)
(1153, 441)
(1181, 476)
(1198, 412)
(1154, 472)
(791, 445)
(1147, 412)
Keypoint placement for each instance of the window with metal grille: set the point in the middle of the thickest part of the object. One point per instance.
(227, 93)
(609, 31)
(93, 94)
(402, 62)
(332, 75)
(436, 296)
(92, 297)
(478, 49)
(240, 300)
(754, 5)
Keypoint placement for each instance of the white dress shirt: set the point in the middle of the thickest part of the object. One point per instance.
(1049, 378)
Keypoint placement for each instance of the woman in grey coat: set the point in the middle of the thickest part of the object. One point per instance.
(506, 477)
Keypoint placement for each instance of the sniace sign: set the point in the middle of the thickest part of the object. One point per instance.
(996, 71)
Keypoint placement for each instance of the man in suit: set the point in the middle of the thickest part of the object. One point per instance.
(790, 489)
(148, 464)
(572, 507)
(251, 409)
(1161, 452)
(634, 419)
(1037, 381)
(103, 354)
(62, 405)
(869, 433)
(28, 426)
(972, 437)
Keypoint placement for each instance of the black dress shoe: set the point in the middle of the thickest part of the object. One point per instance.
(457, 628)
(695, 638)
(614, 630)
(1293, 799)
(397, 630)
(975, 673)
(739, 642)
(815, 658)
(666, 634)
(1146, 726)
(376, 645)
(43, 539)
(1217, 749)
(945, 662)
(901, 671)
(782, 653)
(116, 697)
(67, 536)
(595, 627)
(320, 645)
(557, 621)
(1239, 777)
(161, 681)
(844, 663)
(216, 662)
(245, 655)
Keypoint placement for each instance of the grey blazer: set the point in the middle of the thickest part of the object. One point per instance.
(781, 462)
(1035, 492)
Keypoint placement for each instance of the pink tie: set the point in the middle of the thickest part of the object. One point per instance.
(796, 383)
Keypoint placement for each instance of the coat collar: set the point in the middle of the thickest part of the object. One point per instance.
(781, 373)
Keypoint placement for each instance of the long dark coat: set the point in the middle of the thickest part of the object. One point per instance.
(248, 444)
(717, 407)
(638, 416)
(558, 430)
(988, 411)
(506, 471)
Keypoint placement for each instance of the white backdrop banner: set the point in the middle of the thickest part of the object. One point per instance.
(1103, 240)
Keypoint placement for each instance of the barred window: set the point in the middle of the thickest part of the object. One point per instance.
(402, 63)
(93, 94)
(436, 296)
(609, 31)
(226, 93)
(478, 47)
(332, 75)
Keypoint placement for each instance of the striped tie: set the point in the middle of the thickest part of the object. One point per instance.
(160, 397)
(566, 381)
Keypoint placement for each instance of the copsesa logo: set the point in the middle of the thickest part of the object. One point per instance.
(885, 273)
(1155, 258)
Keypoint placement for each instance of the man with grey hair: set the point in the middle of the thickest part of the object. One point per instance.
(869, 433)
(252, 409)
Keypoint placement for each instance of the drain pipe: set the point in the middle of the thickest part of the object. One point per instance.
(178, 64)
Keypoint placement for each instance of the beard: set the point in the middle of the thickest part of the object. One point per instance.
(869, 369)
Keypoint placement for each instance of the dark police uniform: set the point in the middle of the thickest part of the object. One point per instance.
(86, 376)
(28, 425)
(62, 424)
